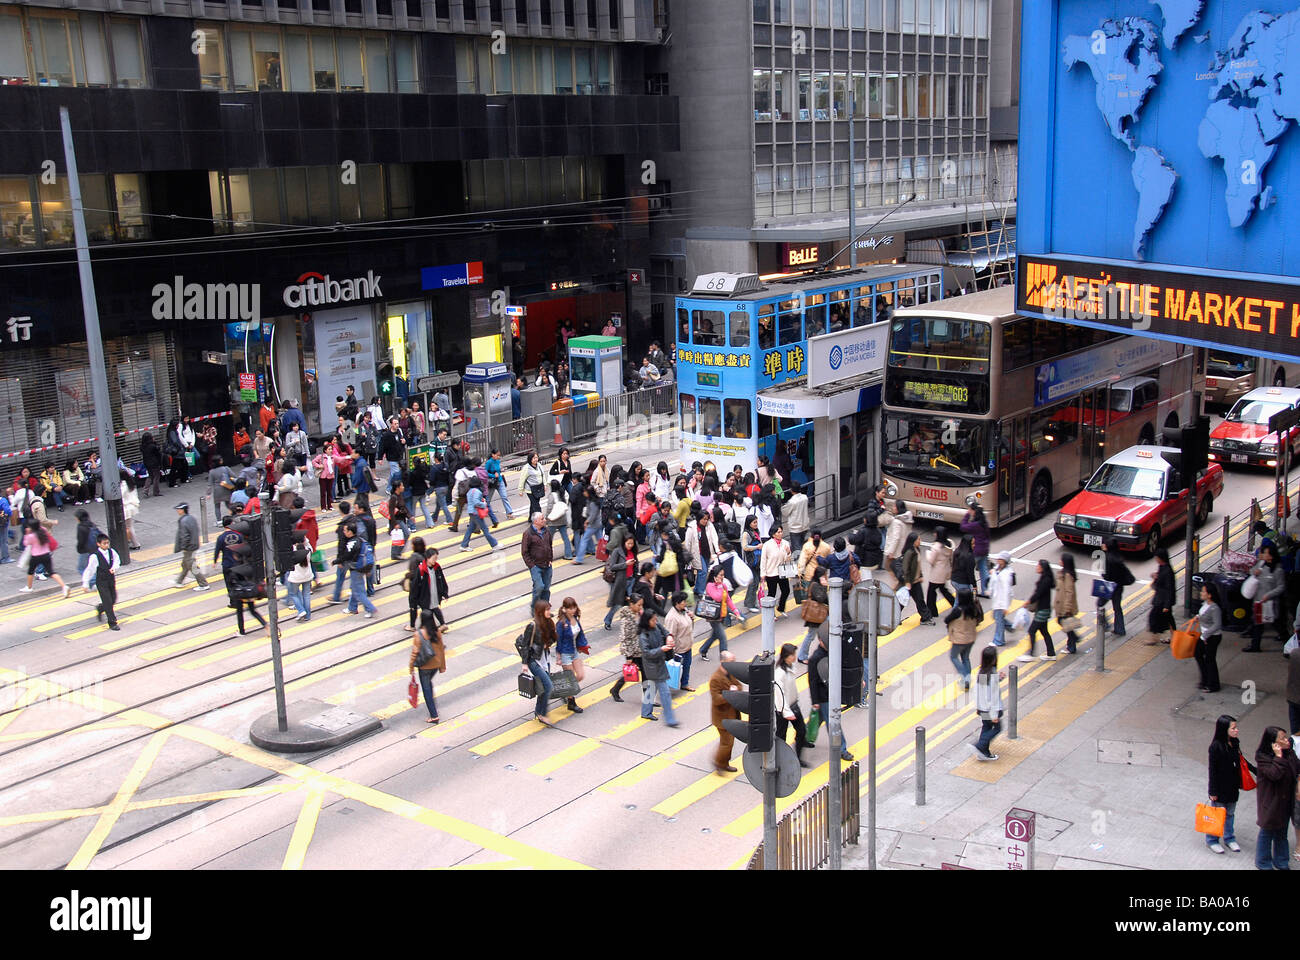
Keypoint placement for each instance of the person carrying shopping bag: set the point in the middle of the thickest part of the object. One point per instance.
(428, 657)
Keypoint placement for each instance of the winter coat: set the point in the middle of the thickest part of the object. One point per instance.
(963, 569)
(809, 555)
(911, 566)
(962, 630)
(1001, 586)
(938, 563)
(899, 527)
(654, 666)
(187, 533)
(1067, 600)
(1275, 795)
(618, 589)
(775, 553)
(838, 564)
(868, 541)
(795, 514)
(1225, 771)
(536, 547)
(980, 536)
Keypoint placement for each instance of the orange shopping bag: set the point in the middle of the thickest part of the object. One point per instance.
(1210, 820)
(1182, 643)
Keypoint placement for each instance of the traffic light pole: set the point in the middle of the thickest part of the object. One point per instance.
(835, 819)
(873, 628)
(768, 605)
(268, 551)
(1190, 604)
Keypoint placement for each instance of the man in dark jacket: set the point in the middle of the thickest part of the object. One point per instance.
(345, 509)
(85, 542)
(819, 690)
(392, 445)
(368, 531)
(1164, 594)
(867, 540)
(351, 406)
(187, 543)
(535, 546)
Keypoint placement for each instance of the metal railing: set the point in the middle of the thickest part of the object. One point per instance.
(822, 500)
(803, 835)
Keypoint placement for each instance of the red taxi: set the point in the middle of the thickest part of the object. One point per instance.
(1243, 436)
(1137, 498)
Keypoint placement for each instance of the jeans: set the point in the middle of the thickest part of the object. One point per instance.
(475, 521)
(440, 503)
(412, 501)
(564, 535)
(500, 488)
(751, 592)
(808, 639)
(1230, 810)
(338, 582)
(1271, 850)
(701, 580)
(300, 597)
(357, 584)
(547, 688)
(959, 654)
(83, 560)
(999, 628)
(686, 669)
(988, 730)
(657, 688)
(426, 684)
(541, 583)
(4, 541)
(716, 632)
(586, 543)
(982, 565)
(796, 542)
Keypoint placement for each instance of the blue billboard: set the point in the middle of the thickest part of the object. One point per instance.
(1156, 136)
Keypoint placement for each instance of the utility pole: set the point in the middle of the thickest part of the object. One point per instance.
(833, 725)
(873, 628)
(116, 519)
(853, 203)
(770, 855)
(268, 551)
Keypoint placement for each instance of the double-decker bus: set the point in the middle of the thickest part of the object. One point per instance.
(738, 334)
(1013, 413)
(1230, 376)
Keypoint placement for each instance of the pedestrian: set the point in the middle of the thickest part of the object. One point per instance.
(963, 622)
(152, 458)
(868, 541)
(1275, 798)
(977, 525)
(537, 550)
(419, 596)
(222, 484)
(101, 571)
(1040, 604)
(324, 465)
(1066, 604)
(785, 690)
(40, 544)
(440, 483)
(428, 657)
(556, 510)
(900, 525)
(540, 638)
(937, 571)
(478, 515)
(988, 702)
(497, 481)
(909, 566)
(432, 584)
(359, 560)
(814, 549)
(718, 593)
(1001, 583)
(1271, 585)
(591, 526)
(174, 446)
(751, 546)
(130, 509)
(620, 573)
(815, 611)
(532, 482)
(399, 518)
(243, 590)
(1117, 572)
(773, 559)
(1209, 619)
(85, 542)
(187, 544)
(1226, 765)
(655, 649)
(629, 643)
(1164, 594)
(819, 689)
(794, 515)
(299, 578)
(571, 644)
(720, 710)
(679, 621)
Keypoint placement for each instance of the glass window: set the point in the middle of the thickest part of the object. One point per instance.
(940, 17)
(968, 18)
(891, 97)
(216, 196)
(264, 193)
(50, 51)
(707, 327)
(241, 59)
(909, 97)
(324, 72)
(683, 326)
(710, 416)
(968, 96)
(13, 50)
(790, 324)
(536, 181)
(128, 190)
(404, 67)
(840, 97)
(604, 70)
(739, 328)
(822, 96)
(823, 13)
(877, 14)
(688, 412)
(56, 213)
(875, 98)
(17, 224)
(981, 18)
(762, 94)
(954, 18)
(909, 16)
(400, 204)
(521, 67)
(128, 58)
(544, 59)
(936, 448)
(98, 208)
(738, 420)
(582, 69)
(349, 63)
(815, 315)
(377, 65)
(891, 14)
(859, 95)
(483, 54)
(555, 179)
(766, 328)
(95, 53)
(504, 76)
(780, 11)
(564, 69)
(297, 52)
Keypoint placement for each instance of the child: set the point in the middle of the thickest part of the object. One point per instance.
(102, 569)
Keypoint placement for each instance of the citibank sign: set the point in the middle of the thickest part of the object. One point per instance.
(315, 289)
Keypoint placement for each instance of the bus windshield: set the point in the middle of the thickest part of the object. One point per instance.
(1230, 365)
(1246, 410)
(940, 343)
(937, 449)
(1122, 481)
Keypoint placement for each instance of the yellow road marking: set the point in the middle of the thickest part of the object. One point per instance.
(99, 833)
(660, 761)
(575, 752)
(304, 829)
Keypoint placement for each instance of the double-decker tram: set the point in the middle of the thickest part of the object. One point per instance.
(739, 336)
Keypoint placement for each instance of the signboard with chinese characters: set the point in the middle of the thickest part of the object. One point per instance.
(1110, 361)
(848, 353)
(950, 395)
(1021, 825)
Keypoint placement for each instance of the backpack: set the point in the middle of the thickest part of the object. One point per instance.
(524, 644)
(366, 558)
(26, 508)
(462, 489)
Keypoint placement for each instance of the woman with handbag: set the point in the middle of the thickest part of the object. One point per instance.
(776, 566)
(988, 703)
(1228, 773)
(1041, 605)
(717, 592)
(963, 622)
(751, 545)
(1066, 604)
(668, 575)
(788, 711)
(1278, 769)
(556, 509)
(1209, 618)
(570, 644)
(40, 546)
(419, 597)
(428, 656)
(1118, 573)
(655, 650)
(629, 644)
(680, 624)
(1269, 589)
(620, 572)
(540, 634)
(814, 610)
(532, 483)
(910, 578)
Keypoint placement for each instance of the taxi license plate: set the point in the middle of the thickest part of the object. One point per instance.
(1238, 458)
(1092, 540)
(929, 515)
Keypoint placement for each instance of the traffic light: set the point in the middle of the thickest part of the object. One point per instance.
(289, 551)
(385, 373)
(1196, 446)
(250, 528)
(756, 732)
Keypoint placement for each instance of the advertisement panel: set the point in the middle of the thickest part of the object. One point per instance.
(345, 354)
(848, 353)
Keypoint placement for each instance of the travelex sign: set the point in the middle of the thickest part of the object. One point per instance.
(1248, 315)
(451, 275)
(314, 290)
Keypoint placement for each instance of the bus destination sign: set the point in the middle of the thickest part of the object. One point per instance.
(1244, 315)
(917, 391)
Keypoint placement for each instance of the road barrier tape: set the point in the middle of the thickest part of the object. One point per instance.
(120, 433)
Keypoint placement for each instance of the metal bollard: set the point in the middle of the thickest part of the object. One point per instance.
(1013, 701)
(203, 519)
(1101, 636)
(920, 766)
(1223, 544)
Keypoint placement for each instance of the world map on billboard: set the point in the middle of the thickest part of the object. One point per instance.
(1182, 108)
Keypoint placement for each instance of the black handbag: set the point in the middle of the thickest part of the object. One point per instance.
(708, 609)
(526, 688)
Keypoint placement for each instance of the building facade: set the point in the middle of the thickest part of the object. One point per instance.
(282, 196)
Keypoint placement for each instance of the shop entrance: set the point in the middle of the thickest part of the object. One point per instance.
(859, 461)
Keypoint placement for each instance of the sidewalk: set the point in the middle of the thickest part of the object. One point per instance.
(155, 524)
(1113, 764)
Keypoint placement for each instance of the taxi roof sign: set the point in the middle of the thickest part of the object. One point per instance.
(1144, 454)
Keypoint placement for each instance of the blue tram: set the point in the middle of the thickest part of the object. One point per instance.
(738, 335)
